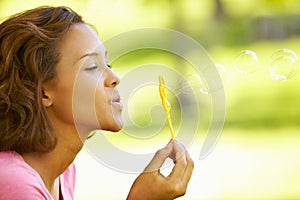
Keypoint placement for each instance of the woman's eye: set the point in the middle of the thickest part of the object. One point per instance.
(91, 68)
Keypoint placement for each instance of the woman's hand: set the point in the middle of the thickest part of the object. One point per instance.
(152, 185)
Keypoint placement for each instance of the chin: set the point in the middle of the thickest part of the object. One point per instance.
(115, 127)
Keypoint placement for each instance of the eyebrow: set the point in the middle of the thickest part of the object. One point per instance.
(91, 54)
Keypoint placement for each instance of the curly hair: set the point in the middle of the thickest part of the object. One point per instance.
(28, 56)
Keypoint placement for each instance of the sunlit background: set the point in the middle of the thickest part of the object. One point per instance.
(258, 153)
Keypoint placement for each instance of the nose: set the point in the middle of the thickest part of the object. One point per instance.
(112, 79)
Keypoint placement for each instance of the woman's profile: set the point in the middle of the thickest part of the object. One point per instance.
(43, 52)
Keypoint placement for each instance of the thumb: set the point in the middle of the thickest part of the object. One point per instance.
(159, 158)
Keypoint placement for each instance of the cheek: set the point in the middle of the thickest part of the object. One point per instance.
(62, 105)
(63, 94)
(83, 101)
(74, 99)
(101, 105)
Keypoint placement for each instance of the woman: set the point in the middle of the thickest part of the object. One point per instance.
(45, 53)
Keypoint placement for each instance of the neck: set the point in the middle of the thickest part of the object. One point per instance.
(52, 164)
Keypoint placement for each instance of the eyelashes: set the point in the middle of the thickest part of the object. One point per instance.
(95, 66)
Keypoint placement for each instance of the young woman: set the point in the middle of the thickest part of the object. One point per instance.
(44, 52)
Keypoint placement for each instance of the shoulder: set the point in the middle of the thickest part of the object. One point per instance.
(19, 181)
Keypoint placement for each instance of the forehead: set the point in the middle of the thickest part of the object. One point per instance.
(80, 40)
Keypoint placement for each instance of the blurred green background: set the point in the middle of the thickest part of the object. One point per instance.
(258, 154)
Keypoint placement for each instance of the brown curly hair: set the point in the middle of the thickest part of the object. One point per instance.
(28, 56)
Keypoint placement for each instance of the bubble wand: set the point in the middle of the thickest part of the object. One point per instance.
(165, 103)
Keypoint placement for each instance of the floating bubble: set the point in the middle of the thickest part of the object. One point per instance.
(246, 62)
(197, 83)
(192, 83)
(283, 64)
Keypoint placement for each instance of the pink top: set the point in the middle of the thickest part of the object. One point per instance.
(19, 181)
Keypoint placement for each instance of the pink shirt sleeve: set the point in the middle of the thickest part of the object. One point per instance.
(18, 181)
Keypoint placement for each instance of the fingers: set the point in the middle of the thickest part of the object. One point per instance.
(176, 183)
(159, 158)
(184, 166)
(188, 170)
(179, 160)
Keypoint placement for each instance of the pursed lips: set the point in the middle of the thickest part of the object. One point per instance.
(116, 101)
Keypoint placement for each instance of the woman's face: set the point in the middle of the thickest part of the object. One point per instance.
(84, 93)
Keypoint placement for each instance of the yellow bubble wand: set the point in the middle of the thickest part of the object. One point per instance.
(165, 103)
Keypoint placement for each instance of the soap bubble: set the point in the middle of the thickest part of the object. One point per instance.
(246, 62)
(197, 82)
(283, 64)
(190, 84)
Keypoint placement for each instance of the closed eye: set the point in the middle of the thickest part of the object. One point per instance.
(91, 68)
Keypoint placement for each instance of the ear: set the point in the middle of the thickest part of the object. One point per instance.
(46, 99)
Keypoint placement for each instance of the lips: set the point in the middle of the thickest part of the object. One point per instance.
(116, 99)
(116, 102)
